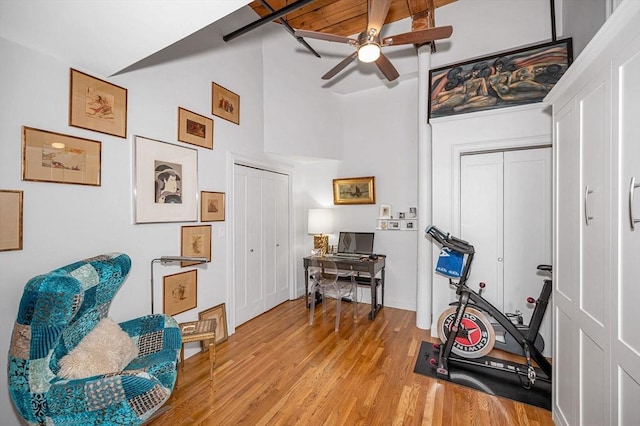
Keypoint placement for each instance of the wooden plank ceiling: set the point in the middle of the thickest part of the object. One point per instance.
(343, 17)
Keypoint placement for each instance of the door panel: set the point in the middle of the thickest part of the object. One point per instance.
(481, 220)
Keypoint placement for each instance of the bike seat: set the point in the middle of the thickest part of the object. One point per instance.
(544, 268)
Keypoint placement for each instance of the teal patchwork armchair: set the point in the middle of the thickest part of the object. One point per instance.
(56, 312)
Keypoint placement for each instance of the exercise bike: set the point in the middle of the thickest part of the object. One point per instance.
(468, 329)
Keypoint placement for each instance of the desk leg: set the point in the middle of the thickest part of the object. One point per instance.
(374, 298)
(306, 286)
(182, 357)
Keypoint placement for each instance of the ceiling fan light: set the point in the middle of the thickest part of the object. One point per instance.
(369, 52)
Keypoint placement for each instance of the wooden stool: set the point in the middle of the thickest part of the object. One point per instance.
(197, 331)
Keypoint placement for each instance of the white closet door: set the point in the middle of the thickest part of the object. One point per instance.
(248, 289)
(505, 213)
(282, 287)
(527, 229)
(481, 220)
(626, 342)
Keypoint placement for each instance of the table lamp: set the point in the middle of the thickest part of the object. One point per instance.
(320, 224)
(170, 259)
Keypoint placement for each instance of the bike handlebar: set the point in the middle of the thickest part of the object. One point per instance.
(448, 240)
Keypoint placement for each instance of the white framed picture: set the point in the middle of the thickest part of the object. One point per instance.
(385, 211)
(409, 225)
(393, 224)
(165, 182)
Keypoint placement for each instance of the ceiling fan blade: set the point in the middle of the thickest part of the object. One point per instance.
(419, 36)
(324, 36)
(335, 70)
(377, 13)
(387, 67)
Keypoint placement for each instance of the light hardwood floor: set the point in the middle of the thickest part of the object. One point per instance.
(278, 370)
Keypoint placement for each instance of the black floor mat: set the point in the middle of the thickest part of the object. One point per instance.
(492, 382)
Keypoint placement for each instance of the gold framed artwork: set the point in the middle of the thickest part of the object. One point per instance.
(97, 105)
(195, 241)
(218, 312)
(55, 157)
(165, 182)
(195, 129)
(211, 206)
(10, 220)
(180, 292)
(225, 104)
(358, 190)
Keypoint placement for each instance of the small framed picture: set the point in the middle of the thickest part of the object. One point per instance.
(54, 157)
(195, 241)
(382, 224)
(180, 292)
(225, 104)
(408, 225)
(413, 213)
(385, 211)
(393, 224)
(219, 312)
(401, 215)
(195, 129)
(211, 206)
(10, 220)
(97, 105)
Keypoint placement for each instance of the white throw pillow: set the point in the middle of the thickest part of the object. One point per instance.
(106, 349)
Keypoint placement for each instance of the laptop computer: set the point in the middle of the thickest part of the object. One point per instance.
(355, 244)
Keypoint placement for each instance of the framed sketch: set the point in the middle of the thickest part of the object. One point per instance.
(393, 224)
(165, 182)
(10, 220)
(385, 211)
(97, 105)
(180, 292)
(218, 312)
(359, 190)
(195, 241)
(55, 157)
(500, 80)
(211, 206)
(195, 129)
(225, 104)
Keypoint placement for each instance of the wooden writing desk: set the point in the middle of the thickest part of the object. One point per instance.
(366, 266)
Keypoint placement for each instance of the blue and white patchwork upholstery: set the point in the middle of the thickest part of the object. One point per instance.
(56, 311)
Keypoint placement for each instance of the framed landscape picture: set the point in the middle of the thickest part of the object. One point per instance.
(195, 129)
(518, 77)
(10, 220)
(225, 104)
(165, 182)
(211, 206)
(55, 157)
(97, 105)
(359, 190)
(180, 292)
(195, 241)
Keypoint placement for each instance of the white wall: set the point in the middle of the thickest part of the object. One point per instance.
(64, 223)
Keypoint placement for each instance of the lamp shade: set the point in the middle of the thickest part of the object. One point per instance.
(320, 221)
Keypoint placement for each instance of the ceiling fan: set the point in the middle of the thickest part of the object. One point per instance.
(368, 44)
